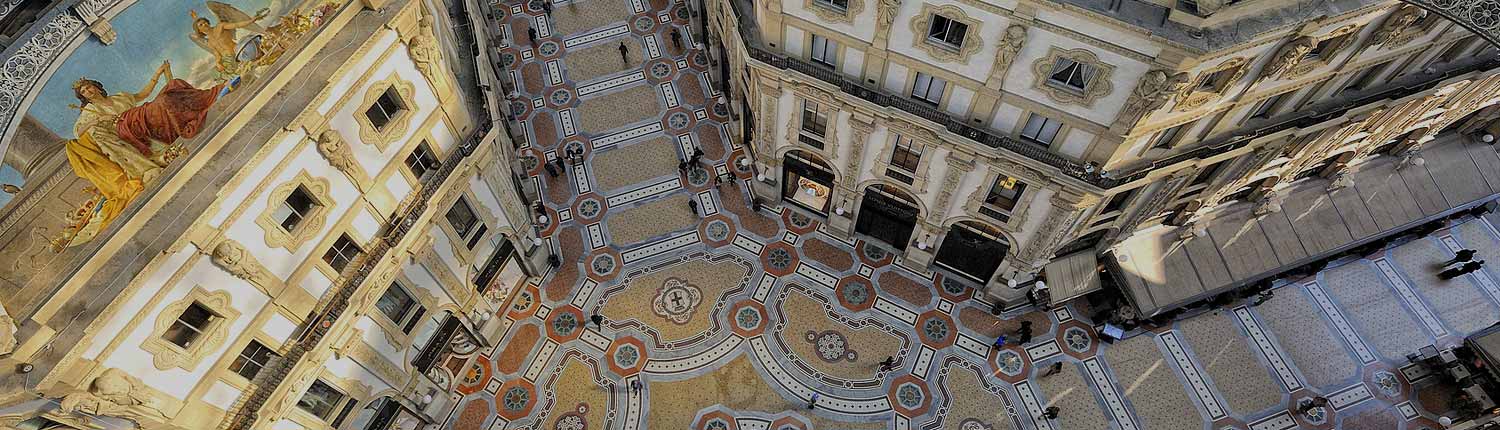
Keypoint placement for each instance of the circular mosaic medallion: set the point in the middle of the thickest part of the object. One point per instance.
(603, 264)
(660, 70)
(1009, 362)
(644, 24)
(515, 399)
(953, 287)
(627, 356)
(873, 252)
(973, 424)
(508, 59)
(721, 110)
(1387, 383)
(700, 60)
(1315, 415)
(528, 162)
(832, 346)
(1077, 339)
(547, 49)
(697, 177)
(747, 318)
(565, 324)
(535, 5)
(716, 424)
(682, 13)
(523, 301)
(573, 146)
(740, 165)
(718, 230)
(518, 107)
(570, 421)
(779, 258)
(678, 120)
(561, 97)
(799, 220)
(856, 292)
(935, 330)
(589, 208)
(909, 395)
(676, 300)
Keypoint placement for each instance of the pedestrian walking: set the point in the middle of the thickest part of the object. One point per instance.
(531, 34)
(1051, 412)
(624, 54)
(1000, 342)
(1462, 256)
(812, 402)
(1054, 369)
(1262, 297)
(547, 7)
(635, 386)
(1024, 333)
(676, 39)
(697, 154)
(597, 319)
(551, 171)
(693, 204)
(682, 167)
(888, 363)
(559, 162)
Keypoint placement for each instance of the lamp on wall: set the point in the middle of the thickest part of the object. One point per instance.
(839, 210)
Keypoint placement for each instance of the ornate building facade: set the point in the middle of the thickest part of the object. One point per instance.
(999, 141)
(305, 227)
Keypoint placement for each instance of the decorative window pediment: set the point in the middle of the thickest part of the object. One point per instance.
(1210, 84)
(1073, 76)
(835, 10)
(955, 37)
(305, 198)
(386, 112)
(187, 330)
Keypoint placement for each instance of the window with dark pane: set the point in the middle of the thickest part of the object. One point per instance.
(461, 217)
(947, 31)
(1070, 75)
(421, 159)
(343, 251)
(254, 357)
(295, 208)
(189, 325)
(320, 400)
(1005, 193)
(396, 304)
(385, 108)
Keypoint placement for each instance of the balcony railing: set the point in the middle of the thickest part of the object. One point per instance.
(1096, 177)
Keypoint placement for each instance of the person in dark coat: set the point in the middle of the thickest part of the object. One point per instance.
(1462, 256)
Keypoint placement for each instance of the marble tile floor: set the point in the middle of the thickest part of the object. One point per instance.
(735, 319)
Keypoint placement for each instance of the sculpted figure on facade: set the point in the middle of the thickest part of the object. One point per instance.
(1394, 27)
(1153, 91)
(233, 258)
(1288, 57)
(887, 13)
(1005, 54)
(116, 394)
(423, 49)
(7, 332)
(331, 146)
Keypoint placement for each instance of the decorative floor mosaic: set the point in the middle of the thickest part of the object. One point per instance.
(719, 317)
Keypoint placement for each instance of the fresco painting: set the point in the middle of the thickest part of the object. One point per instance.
(124, 112)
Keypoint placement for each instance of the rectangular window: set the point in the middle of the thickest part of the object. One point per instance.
(814, 120)
(1365, 77)
(947, 32)
(461, 217)
(1119, 201)
(1207, 174)
(297, 206)
(928, 88)
(1166, 138)
(386, 107)
(421, 159)
(1040, 129)
(1005, 193)
(189, 325)
(343, 251)
(907, 154)
(1267, 106)
(398, 306)
(839, 5)
(478, 234)
(321, 400)
(254, 357)
(824, 51)
(1070, 75)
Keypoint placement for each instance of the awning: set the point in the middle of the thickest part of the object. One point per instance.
(1073, 275)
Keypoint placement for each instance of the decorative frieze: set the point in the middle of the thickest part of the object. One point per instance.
(1151, 93)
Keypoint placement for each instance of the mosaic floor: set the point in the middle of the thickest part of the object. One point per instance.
(725, 318)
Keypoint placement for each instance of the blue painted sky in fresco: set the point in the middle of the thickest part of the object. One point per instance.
(149, 31)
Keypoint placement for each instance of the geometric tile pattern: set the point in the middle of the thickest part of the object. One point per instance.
(730, 318)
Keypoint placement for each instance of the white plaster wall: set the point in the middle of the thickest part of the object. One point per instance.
(384, 39)
(862, 31)
(785, 108)
(137, 300)
(221, 395)
(131, 359)
(425, 103)
(1037, 213)
(443, 245)
(878, 141)
(278, 260)
(895, 79)
(251, 183)
(1125, 39)
(793, 46)
(287, 424)
(1006, 117)
(374, 337)
(1076, 143)
(487, 199)
(1021, 80)
(366, 226)
(970, 183)
(347, 368)
(399, 186)
(903, 38)
(315, 283)
(278, 327)
(424, 279)
(854, 62)
(936, 170)
(959, 101)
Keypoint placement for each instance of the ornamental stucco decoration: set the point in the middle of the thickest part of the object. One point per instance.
(967, 49)
(1097, 86)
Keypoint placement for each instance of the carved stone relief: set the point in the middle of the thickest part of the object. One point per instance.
(1009, 46)
(1151, 93)
(1397, 29)
(332, 147)
(116, 394)
(277, 236)
(1287, 57)
(1199, 92)
(939, 50)
(1098, 84)
(235, 260)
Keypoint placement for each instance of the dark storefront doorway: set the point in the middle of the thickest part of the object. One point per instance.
(888, 215)
(806, 181)
(973, 250)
